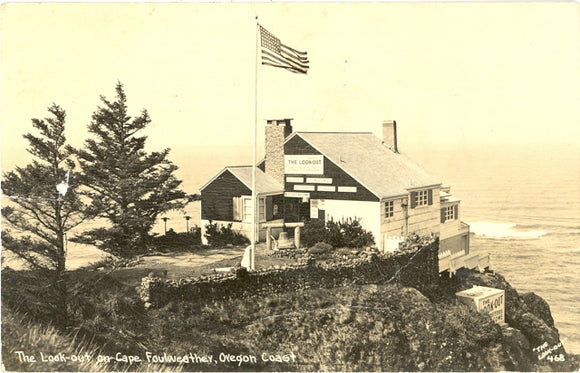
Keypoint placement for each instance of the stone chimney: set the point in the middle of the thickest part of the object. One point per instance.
(390, 134)
(276, 132)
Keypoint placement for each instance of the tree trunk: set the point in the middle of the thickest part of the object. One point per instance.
(60, 282)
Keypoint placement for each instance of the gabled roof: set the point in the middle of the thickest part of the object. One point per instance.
(364, 157)
(264, 183)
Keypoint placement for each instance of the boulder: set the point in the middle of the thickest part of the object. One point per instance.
(539, 307)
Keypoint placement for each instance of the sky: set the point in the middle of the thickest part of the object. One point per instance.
(454, 75)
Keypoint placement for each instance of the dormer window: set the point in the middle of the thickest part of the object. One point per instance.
(421, 198)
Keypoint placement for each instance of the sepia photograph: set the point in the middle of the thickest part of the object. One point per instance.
(290, 186)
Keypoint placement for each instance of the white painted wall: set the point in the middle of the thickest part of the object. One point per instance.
(449, 229)
(368, 212)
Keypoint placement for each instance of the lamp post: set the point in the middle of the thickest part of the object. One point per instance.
(165, 218)
(187, 217)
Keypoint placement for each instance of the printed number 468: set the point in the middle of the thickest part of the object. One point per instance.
(557, 358)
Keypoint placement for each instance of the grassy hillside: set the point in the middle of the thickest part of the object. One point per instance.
(24, 341)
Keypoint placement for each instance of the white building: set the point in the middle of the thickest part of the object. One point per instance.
(339, 175)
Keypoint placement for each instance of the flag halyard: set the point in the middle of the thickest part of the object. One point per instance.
(276, 54)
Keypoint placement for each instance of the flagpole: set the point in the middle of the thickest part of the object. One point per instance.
(254, 146)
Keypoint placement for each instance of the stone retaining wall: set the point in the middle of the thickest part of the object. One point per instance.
(417, 266)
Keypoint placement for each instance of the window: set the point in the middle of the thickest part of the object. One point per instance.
(389, 209)
(262, 209)
(448, 213)
(247, 209)
(421, 198)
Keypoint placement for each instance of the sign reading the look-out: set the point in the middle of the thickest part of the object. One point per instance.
(304, 164)
(487, 300)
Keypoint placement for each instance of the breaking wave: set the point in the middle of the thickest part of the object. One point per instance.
(504, 231)
(569, 250)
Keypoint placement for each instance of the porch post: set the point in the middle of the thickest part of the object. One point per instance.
(297, 237)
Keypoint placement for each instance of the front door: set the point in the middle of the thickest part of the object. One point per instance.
(322, 215)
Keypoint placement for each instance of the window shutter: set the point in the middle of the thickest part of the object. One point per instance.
(413, 199)
(430, 197)
(241, 208)
(269, 207)
(237, 202)
(443, 215)
(456, 212)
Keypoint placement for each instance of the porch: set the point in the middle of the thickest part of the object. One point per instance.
(451, 262)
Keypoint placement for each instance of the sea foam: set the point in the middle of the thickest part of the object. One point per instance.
(503, 231)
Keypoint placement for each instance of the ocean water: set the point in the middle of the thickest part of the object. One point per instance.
(523, 207)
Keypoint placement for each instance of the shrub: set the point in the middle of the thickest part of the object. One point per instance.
(195, 233)
(241, 272)
(114, 241)
(173, 241)
(110, 262)
(316, 251)
(223, 235)
(313, 231)
(320, 248)
(32, 293)
(334, 234)
(344, 251)
(344, 233)
(354, 235)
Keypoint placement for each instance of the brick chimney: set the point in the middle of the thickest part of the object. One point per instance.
(276, 131)
(390, 134)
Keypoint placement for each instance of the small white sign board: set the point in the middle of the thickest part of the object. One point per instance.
(487, 300)
(304, 164)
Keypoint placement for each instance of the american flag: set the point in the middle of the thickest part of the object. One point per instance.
(276, 54)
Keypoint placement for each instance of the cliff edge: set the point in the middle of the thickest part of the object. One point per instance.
(396, 328)
(386, 327)
(529, 341)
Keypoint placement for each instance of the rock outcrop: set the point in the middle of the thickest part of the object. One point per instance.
(530, 340)
(397, 328)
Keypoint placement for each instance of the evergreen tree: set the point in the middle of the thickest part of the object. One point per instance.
(126, 185)
(38, 208)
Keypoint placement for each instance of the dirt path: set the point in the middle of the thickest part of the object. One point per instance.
(179, 264)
